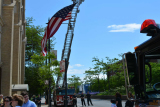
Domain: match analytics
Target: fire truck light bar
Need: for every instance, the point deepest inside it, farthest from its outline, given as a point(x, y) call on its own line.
point(148, 25)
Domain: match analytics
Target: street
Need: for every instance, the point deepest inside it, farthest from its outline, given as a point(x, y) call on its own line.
point(96, 103)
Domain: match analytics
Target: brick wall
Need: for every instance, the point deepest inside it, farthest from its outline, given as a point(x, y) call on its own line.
point(6, 50)
point(13, 49)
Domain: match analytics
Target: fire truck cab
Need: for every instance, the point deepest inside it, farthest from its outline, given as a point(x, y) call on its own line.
point(142, 68)
point(59, 96)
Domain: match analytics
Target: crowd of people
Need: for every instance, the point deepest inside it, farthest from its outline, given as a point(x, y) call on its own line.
point(23, 100)
point(19, 100)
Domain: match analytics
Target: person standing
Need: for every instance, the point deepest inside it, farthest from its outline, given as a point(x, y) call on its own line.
point(75, 99)
point(27, 102)
point(118, 100)
point(39, 101)
point(82, 99)
point(1, 100)
point(7, 101)
point(17, 100)
point(89, 98)
point(129, 103)
point(34, 99)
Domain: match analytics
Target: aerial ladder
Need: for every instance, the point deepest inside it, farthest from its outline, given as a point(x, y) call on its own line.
point(68, 42)
point(61, 83)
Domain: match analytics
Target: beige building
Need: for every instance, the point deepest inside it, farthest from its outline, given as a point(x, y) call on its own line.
point(12, 46)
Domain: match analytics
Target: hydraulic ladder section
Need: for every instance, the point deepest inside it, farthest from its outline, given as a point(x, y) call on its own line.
point(68, 40)
point(70, 32)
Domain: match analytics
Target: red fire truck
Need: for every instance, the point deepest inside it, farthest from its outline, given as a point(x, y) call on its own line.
point(142, 67)
point(59, 95)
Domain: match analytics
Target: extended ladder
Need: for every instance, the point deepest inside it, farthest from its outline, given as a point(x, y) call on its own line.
point(68, 40)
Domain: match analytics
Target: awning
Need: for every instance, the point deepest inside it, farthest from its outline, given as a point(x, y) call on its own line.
point(20, 87)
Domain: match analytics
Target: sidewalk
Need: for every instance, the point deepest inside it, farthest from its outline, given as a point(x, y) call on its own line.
point(44, 105)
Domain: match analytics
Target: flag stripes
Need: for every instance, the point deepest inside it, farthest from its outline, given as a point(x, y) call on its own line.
point(54, 24)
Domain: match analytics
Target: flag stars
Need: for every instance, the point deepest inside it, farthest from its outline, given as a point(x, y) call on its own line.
point(64, 12)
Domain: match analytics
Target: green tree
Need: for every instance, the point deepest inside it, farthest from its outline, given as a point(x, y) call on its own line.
point(34, 36)
point(46, 71)
point(155, 67)
point(34, 70)
point(112, 65)
point(74, 81)
point(106, 68)
point(93, 74)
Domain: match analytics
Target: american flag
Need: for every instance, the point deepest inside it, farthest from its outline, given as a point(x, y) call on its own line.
point(54, 24)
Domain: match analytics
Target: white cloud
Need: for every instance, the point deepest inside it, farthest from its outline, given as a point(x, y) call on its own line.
point(75, 71)
point(103, 76)
point(125, 28)
point(70, 67)
point(78, 65)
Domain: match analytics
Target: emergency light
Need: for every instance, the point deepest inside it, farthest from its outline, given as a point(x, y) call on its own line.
point(150, 27)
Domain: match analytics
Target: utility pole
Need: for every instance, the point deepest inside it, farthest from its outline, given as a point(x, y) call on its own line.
point(47, 89)
point(66, 67)
point(49, 93)
point(49, 60)
point(49, 85)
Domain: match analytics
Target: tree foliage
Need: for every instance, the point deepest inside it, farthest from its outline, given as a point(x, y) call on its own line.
point(74, 81)
point(155, 70)
point(46, 71)
point(34, 36)
point(112, 68)
point(36, 70)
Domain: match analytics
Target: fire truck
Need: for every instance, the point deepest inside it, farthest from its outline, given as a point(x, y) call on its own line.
point(59, 96)
point(138, 68)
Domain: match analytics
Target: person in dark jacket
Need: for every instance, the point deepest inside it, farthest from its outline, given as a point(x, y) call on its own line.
point(38, 101)
point(34, 98)
point(75, 99)
point(82, 99)
point(129, 103)
point(88, 95)
point(118, 99)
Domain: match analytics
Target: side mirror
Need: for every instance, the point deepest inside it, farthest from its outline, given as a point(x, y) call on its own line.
point(131, 65)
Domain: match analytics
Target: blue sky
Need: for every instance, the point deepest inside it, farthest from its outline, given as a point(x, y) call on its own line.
point(103, 28)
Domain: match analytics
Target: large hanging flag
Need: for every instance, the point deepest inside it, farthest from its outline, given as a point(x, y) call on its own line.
point(54, 24)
